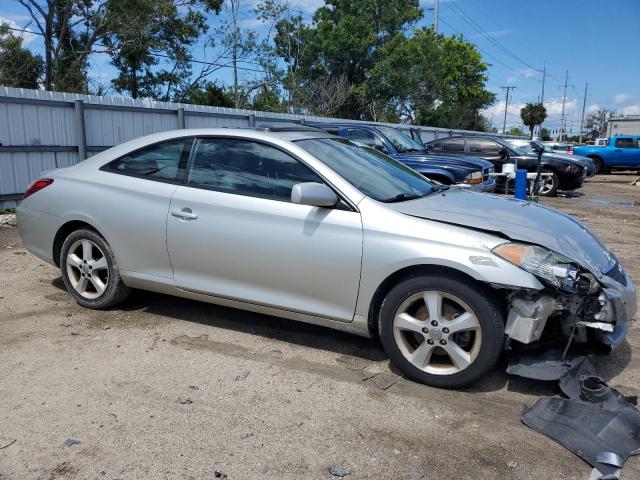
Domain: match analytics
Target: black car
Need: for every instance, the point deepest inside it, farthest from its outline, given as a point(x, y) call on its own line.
point(567, 174)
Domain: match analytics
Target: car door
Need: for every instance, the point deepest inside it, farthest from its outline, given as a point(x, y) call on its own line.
point(130, 201)
point(233, 232)
point(488, 150)
point(626, 153)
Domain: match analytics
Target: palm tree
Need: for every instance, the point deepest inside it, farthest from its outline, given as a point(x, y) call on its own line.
point(533, 114)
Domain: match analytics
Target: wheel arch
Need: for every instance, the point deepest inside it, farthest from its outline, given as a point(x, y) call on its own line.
point(64, 231)
point(416, 271)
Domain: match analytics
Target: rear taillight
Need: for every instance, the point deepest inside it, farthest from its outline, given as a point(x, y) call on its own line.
point(570, 150)
point(37, 186)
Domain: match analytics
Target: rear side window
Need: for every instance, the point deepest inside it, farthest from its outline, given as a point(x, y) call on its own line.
point(453, 145)
point(247, 168)
point(166, 161)
point(625, 143)
point(485, 147)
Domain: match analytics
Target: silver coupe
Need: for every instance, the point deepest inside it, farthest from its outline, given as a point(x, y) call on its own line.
point(301, 224)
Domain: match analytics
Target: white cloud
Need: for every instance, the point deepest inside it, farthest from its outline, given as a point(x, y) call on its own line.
point(621, 98)
point(27, 37)
point(594, 107)
point(631, 110)
point(529, 73)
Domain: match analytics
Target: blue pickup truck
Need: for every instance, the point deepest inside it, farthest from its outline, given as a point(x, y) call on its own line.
point(470, 172)
point(622, 152)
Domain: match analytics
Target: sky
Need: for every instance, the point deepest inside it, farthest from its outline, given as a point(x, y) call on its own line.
point(594, 42)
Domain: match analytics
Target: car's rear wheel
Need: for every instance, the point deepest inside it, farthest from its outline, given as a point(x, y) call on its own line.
point(90, 271)
point(549, 184)
point(440, 331)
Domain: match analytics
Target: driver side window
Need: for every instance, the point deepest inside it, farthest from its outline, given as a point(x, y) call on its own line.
point(245, 167)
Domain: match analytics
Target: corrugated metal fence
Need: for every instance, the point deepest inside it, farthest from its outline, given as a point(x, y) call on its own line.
point(42, 130)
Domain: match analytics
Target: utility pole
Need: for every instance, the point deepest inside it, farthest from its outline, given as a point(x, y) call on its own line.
point(544, 77)
point(564, 100)
point(436, 16)
point(584, 104)
point(506, 106)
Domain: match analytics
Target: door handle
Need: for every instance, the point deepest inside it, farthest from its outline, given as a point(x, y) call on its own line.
point(185, 214)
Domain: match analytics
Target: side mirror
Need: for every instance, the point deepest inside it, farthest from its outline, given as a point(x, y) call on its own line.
point(503, 152)
point(313, 194)
point(428, 147)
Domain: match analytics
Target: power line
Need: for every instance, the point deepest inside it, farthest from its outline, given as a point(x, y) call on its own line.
point(469, 20)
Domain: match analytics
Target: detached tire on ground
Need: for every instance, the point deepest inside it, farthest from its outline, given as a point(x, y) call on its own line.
point(440, 331)
point(549, 185)
point(90, 271)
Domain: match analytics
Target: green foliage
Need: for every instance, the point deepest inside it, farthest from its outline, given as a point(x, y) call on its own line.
point(596, 123)
point(516, 132)
point(149, 43)
point(208, 93)
point(533, 114)
point(346, 40)
point(545, 135)
point(18, 66)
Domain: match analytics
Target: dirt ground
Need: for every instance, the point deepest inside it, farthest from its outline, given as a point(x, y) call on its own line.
point(171, 388)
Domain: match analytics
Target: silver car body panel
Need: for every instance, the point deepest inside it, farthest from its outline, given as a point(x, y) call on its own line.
point(312, 264)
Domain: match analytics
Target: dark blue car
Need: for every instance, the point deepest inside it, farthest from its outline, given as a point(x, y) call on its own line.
point(471, 172)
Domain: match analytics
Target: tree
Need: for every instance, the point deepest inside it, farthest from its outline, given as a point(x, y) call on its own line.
point(545, 135)
point(70, 29)
point(150, 41)
point(516, 132)
point(346, 40)
point(533, 114)
point(208, 93)
point(596, 123)
point(18, 66)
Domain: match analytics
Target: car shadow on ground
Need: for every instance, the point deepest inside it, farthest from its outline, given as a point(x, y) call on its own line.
point(341, 343)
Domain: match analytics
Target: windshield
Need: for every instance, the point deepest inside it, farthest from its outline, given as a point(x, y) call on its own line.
point(400, 141)
point(511, 143)
point(373, 173)
point(521, 145)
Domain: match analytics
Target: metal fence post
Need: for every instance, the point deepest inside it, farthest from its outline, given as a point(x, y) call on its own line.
point(252, 120)
point(181, 118)
point(80, 132)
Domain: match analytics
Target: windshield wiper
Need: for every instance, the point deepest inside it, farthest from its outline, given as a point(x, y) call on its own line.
point(401, 197)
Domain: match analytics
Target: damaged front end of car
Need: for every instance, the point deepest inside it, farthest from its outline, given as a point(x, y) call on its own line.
point(579, 304)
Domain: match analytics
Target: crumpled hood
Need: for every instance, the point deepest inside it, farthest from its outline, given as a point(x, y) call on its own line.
point(518, 220)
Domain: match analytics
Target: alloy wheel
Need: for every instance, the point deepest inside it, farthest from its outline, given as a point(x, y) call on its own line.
point(437, 332)
point(87, 269)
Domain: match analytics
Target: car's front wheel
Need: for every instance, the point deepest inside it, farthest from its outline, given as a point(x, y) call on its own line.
point(441, 330)
point(90, 271)
point(549, 184)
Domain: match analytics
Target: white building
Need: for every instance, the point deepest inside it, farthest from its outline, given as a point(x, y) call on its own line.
point(629, 125)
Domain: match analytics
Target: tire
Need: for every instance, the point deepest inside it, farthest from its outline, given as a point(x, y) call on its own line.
point(436, 371)
point(599, 164)
point(552, 189)
point(90, 271)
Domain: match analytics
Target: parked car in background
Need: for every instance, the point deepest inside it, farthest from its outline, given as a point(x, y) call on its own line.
point(566, 174)
point(622, 152)
point(601, 142)
point(551, 146)
point(471, 172)
point(532, 147)
point(312, 227)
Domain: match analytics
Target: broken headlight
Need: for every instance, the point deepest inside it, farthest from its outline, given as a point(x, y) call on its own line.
point(555, 269)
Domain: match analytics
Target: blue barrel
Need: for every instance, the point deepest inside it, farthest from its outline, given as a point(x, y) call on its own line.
point(521, 185)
